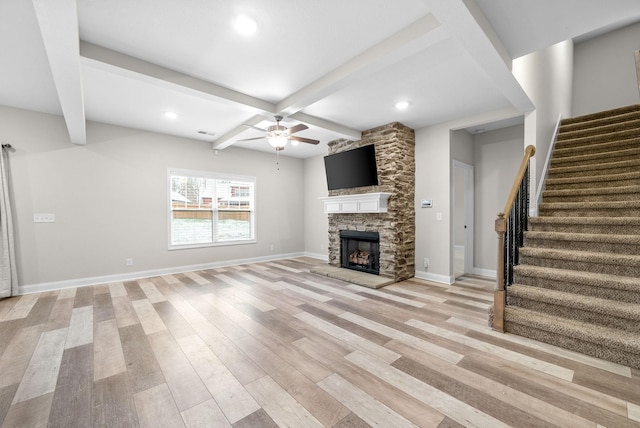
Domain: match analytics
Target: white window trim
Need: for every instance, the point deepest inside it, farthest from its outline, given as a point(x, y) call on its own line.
point(212, 175)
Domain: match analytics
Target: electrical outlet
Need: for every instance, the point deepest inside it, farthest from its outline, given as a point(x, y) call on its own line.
point(426, 262)
point(44, 217)
point(129, 262)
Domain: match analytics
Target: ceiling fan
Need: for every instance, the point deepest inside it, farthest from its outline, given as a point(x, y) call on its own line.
point(278, 136)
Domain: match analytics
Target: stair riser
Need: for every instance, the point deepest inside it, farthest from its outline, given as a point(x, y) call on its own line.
point(592, 184)
point(576, 314)
point(592, 149)
point(586, 171)
point(583, 246)
point(620, 295)
point(587, 348)
point(592, 198)
point(592, 266)
point(586, 228)
point(589, 212)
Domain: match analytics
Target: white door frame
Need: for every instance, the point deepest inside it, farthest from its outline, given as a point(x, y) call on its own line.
point(468, 215)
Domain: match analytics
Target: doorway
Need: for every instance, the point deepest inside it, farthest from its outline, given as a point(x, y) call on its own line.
point(462, 218)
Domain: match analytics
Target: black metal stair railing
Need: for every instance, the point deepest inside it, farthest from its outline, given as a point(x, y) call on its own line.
point(510, 226)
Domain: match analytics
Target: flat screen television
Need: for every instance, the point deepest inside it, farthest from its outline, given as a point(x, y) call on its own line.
point(352, 168)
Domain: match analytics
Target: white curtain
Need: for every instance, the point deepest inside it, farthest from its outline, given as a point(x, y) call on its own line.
point(8, 271)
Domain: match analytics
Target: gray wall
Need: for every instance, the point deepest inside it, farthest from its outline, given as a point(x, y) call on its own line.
point(605, 71)
point(497, 158)
point(316, 231)
point(110, 199)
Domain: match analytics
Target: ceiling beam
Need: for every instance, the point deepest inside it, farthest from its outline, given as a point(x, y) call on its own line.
point(349, 133)
point(134, 68)
point(471, 28)
point(408, 41)
point(58, 22)
point(228, 138)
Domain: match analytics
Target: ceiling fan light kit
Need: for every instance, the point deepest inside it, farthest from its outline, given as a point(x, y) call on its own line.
point(278, 136)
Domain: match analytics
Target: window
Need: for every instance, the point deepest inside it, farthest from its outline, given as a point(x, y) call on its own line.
point(208, 209)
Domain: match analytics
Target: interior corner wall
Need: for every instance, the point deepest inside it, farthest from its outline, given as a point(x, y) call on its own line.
point(605, 71)
point(110, 203)
point(316, 235)
point(547, 78)
point(433, 173)
point(497, 157)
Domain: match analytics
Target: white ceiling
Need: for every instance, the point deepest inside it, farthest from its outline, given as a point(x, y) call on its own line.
point(336, 66)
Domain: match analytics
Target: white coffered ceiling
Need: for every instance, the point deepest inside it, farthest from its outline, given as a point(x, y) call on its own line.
point(337, 66)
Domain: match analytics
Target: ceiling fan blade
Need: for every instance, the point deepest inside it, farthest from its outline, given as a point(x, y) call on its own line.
point(303, 140)
point(299, 127)
point(251, 139)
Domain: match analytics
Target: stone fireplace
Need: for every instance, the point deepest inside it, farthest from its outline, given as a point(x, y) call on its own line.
point(395, 225)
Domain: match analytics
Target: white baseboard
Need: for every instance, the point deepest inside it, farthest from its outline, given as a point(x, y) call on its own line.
point(485, 272)
point(318, 256)
point(131, 276)
point(435, 278)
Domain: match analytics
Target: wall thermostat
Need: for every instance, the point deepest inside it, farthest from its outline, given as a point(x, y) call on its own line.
point(426, 203)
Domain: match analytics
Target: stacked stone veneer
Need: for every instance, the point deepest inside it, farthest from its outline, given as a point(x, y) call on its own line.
point(395, 157)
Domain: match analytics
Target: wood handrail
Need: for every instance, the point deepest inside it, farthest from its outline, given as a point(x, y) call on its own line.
point(500, 292)
point(529, 152)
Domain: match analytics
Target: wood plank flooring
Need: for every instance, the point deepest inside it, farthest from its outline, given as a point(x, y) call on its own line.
point(270, 344)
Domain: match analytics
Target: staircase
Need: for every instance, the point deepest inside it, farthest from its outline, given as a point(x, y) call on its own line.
point(578, 282)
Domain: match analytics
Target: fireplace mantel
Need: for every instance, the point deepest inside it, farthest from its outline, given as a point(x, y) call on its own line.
point(361, 203)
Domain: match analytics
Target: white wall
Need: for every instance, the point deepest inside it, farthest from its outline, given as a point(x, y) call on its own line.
point(497, 157)
point(546, 76)
point(110, 199)
point(316, 231)
point(605, 71)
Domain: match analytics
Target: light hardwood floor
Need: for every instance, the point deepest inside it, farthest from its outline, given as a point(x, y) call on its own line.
point(270, 344)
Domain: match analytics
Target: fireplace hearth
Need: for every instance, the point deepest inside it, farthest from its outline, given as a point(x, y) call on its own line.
point(360, 251)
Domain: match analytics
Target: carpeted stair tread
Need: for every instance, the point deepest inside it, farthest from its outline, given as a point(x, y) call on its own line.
point(592, 333)
point(602, 280)
point(611, 308)
point(577, 142)
point(626, 192)
point(572, 124)
point(585, 237)
point(611, 113)
point(610, 208)
point(582, 256)
point(631, 123)
point(583, 159)
point(600, 168)
point(593, 221)
point(594, 205)
point(623, 178)
point(603, 147)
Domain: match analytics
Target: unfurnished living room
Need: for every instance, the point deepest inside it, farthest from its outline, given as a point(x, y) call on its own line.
point(420, 213)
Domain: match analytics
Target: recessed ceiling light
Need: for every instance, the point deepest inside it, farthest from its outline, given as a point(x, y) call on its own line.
point(245, 25)
point(401, 105)
point(170, 115)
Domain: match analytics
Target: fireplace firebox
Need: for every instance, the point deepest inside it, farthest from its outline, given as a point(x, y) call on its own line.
point(360, 251)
